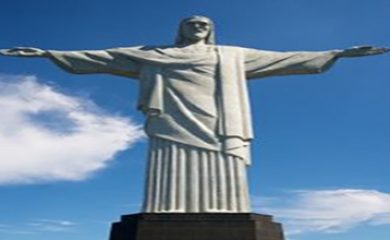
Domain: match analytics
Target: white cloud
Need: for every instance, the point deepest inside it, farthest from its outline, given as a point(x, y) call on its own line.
point(46, 135)
point(328, 211)
point(9, 229)
point(39, 226)
point(49, 225)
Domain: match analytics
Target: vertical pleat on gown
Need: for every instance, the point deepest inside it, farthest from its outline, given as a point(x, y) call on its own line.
point(182, 178)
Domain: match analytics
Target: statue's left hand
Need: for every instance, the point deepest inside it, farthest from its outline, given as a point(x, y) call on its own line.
point(23, 52)
point(360, 51)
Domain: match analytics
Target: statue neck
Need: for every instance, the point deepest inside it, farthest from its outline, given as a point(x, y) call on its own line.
point(189, 43)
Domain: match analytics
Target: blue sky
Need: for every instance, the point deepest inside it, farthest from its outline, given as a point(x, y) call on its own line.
point(72, 155)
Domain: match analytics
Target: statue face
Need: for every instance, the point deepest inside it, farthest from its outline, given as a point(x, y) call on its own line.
point(196, 29)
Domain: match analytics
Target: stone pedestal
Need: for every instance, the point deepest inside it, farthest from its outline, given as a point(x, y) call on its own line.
point(203, 226)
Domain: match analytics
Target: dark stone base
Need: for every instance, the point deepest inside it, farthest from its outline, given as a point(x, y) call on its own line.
point(202, 226)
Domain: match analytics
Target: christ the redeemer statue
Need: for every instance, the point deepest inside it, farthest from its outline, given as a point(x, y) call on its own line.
point(195, 99)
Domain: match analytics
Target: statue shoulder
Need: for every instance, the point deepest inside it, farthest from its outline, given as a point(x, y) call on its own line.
point(239, 49)
point(140, 51)
point(232, 51)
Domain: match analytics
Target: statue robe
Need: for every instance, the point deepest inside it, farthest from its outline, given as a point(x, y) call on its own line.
point(195, 101)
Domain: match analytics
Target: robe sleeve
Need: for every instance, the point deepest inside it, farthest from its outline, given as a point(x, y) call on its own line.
point(259, 63)
point(110, 61)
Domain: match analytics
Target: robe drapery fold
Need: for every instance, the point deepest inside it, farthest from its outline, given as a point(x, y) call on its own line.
point(158, 69)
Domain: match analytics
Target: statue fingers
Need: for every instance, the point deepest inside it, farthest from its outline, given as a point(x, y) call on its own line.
point(22, 52)
point(8, 52)
point(3, 51)
point(362, 47)
point(25, 48)
point(385, 50)
point(375, 51)
point(359, 51)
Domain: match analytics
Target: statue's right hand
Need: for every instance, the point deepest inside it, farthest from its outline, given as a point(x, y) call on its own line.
point(23, 52)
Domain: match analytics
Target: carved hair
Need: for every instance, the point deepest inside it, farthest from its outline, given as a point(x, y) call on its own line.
point(210, 39)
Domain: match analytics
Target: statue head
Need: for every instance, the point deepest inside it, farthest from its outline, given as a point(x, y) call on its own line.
point(195, 28)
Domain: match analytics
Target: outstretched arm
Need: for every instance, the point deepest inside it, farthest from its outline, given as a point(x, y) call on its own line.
point(109, 61)
point(268, 63)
